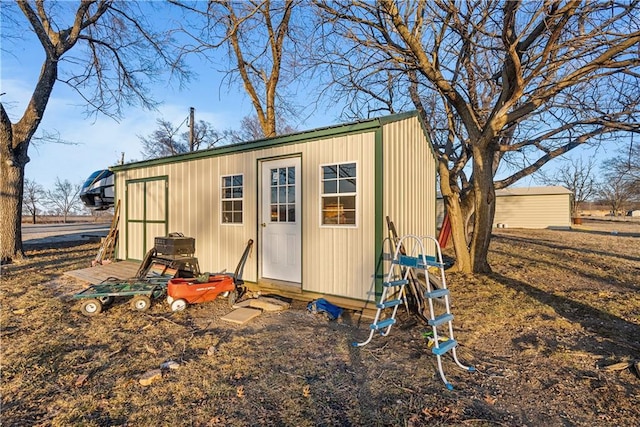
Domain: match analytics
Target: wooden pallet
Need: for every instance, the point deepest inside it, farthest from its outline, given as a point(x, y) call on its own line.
point(99, 273)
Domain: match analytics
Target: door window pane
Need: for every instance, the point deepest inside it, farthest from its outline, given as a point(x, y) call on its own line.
point(283, 192)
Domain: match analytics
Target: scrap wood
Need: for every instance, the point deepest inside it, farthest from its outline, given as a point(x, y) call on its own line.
point(109, 243)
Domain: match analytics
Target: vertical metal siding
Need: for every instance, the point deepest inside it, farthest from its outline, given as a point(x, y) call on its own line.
point(335, 260)
point(534, 211)
point(409, 174)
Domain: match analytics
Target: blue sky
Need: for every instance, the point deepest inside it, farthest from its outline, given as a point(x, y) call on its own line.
point(98, 142)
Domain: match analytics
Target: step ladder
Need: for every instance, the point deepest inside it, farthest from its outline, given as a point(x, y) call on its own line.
point(410, 255)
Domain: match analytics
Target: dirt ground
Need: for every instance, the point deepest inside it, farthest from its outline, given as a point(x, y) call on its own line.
point(560, 307)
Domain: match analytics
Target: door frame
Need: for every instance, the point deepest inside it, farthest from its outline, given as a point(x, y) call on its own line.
point(264, 163)
point(144, 220)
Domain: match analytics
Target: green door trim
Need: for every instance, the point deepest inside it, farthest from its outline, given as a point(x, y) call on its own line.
point(145, 221)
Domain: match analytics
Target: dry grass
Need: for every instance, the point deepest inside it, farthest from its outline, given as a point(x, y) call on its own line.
point(558, 307)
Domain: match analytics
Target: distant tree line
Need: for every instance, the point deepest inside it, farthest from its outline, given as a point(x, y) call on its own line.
point(617, 185)
point(62, 200)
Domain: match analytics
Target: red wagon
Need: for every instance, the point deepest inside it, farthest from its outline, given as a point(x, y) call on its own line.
point(182, 292)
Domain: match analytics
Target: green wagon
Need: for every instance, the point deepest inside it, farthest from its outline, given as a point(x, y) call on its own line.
point(150, 283)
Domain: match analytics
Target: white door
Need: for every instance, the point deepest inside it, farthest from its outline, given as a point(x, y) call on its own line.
point(280, 220)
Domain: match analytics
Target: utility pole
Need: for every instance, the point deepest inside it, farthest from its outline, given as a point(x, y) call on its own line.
point(192, 112)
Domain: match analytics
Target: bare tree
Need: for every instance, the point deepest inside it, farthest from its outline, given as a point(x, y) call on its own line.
point(625, 167)
point(615, 194)
point(64, 198)
point(577, 176)
point(251, 130)
point(32, 198)
point(102, 49)
point(163, 141)
point(499, 85)
point(261, 42)
point(167, 140)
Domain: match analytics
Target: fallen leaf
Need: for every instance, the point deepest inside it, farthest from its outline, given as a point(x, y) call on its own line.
point(490, 400)
point(81, 379)
point(240, 391)
point(306, 391)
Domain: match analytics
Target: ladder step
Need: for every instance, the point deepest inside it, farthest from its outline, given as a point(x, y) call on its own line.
point(436, 293)
point(395, 283)
point(407, 261)
point(382, 324)
point(443, 318)
point(417, 262)
point(390, 303)
point(444, 347)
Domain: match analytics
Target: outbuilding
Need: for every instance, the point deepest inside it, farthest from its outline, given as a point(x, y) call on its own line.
point(533, 207)
point(314, 202)
point(528, 207)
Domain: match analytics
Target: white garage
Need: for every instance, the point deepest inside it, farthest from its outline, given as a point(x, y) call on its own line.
point(533, 207)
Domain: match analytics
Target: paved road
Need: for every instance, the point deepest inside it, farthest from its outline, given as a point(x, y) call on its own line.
point(49, 233)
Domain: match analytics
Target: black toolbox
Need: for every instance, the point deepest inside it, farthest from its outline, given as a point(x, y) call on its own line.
point(175, 244)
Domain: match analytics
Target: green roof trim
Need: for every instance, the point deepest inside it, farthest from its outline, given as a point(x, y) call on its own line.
point(295, 138)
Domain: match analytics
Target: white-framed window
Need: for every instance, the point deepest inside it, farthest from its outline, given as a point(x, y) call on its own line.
point(232, 198)
point(338, 191)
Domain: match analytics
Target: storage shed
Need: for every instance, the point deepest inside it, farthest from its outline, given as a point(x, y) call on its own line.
point(528, 207)
point(314, 202)
point(533, 207)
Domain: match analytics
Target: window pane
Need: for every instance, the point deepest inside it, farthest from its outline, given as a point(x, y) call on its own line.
point(226, 181)
point(349, 202)
point(292, 176)
point(237, 193)
point(292, 213)
point(226, 193)
point(329, 201)
point(283, 213)
point(226, 217)
point(274, 213)
point(226, 206)
point(237, 217)
point(237, 206)
point(282, 194)
point(274, 195)
point(330, 187)
point(237, 181)
point(329, 172)
point(347, 186)
point(274, 176)
point(349, 217)
point(283, 176)
point(291, 194)
point(348, 170)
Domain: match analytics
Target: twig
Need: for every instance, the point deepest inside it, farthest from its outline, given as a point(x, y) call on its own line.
point(480, 420)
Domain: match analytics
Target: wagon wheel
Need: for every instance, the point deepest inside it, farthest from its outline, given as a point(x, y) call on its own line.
point(140, 303)
point(232, 297)
point(91, 307)
point(106, 300)
point(178, 305)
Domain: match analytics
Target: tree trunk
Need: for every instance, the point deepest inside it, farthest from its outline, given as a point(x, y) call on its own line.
point(457, 216)
point(457, 207)
point(12, 163)
point(33, 216)
point(484, 209)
